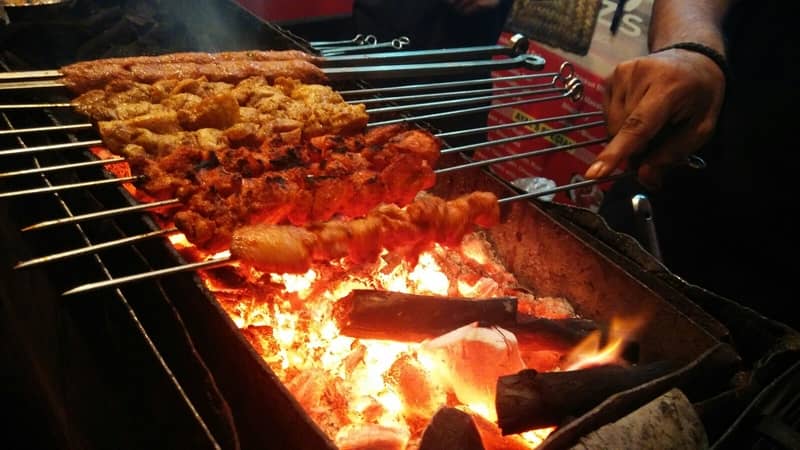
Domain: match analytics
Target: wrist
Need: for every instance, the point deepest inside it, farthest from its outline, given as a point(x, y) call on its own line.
point(717, 57)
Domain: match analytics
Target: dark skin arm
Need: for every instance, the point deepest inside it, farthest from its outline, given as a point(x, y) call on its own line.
point(665, 103)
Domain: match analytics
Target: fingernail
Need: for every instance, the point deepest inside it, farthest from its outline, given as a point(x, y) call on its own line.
point(596, 169)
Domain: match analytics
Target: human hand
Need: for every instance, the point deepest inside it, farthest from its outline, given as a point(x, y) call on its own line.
point(472, 6)
point(666, 103)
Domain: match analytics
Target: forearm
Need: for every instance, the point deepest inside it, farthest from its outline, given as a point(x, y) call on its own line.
point(688, 21)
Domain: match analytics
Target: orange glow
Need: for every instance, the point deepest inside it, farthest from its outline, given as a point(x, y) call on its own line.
point(357, 388)
point(591, 351)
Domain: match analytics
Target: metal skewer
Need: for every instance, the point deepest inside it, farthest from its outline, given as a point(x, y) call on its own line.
point(64, 187)
point(397, 43)
point(544, 151)
point(357, 39)
point(45, 148)
point(101, 214)
point(383, 72)
point(518, 45)
point(446, 84)
point(458, 112)
point(566, 187)
point(148, 275)
point(450, 94)
point(463, 101)
point(34, 106)
point(80, 165)
point(29, 74)
point(71, 127)
point(522, 137)
point(516, 124)
point(92, 248)
point(38, 84)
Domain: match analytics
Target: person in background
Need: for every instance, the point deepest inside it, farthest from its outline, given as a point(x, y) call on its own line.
point(438, 24)
point(432, 24)
point(720, 82)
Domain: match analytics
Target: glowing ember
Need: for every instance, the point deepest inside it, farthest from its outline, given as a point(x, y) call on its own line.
point(358, 389)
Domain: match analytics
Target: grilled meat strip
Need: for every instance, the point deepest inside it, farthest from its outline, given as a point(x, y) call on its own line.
point(82, 77)
point(407, 231)
point(200, 58)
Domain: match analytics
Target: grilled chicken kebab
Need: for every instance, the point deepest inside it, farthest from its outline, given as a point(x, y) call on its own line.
point(137, 118)
point(296, 183)
point(407, 231)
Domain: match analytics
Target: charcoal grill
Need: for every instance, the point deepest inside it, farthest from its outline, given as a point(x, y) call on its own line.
point(143, 330)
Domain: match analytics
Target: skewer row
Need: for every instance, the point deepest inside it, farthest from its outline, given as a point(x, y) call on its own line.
point(563, 84)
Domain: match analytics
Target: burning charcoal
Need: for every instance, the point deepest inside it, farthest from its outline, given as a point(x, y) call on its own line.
point(371, 437)
point(493, 439)
point(308, 387)
point(471, 358)
point(260, 337)
point(541, 360)
point(547, 307)
point(668, 422)
point(451, 428)
point(356, 356)
point(421, 397)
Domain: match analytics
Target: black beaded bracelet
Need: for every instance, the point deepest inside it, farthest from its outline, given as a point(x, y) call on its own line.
point(709, 52)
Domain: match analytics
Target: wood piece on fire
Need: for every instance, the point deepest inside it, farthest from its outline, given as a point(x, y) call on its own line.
point(451, 428)
point(529, 399)
point(372, 314)
point(666, 423)
point(470, 359)
point(560, 335)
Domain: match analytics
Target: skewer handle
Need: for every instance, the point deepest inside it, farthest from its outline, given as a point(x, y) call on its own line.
point(518, 45)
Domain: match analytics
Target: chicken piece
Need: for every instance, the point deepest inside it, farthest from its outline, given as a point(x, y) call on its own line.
point(386, 227)
point(289, 248)
point(218, 111)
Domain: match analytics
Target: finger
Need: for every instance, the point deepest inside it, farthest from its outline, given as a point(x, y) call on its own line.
point(638, 128)
point(673, 151)
point(614, 99)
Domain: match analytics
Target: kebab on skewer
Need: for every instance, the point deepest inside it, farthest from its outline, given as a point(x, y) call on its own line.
point(136, 118)
point(230, 67)
point(326, 176)
point(407, 231)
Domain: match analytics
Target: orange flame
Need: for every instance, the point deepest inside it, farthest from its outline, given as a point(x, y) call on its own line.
point(592, 352)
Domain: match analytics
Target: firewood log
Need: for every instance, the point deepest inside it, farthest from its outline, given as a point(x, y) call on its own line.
point(403, 317)
point(396, 316)
point(529, 400)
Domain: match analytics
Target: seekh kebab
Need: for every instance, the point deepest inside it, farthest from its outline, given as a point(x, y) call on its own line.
point(228, 67)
